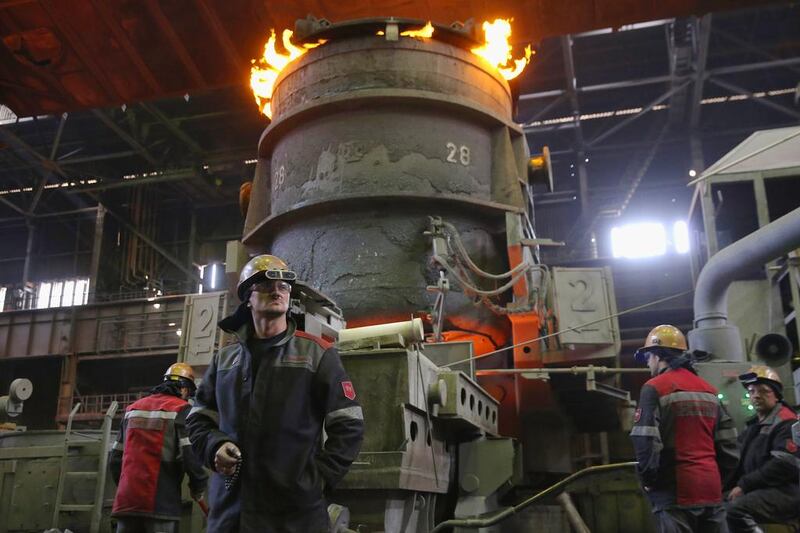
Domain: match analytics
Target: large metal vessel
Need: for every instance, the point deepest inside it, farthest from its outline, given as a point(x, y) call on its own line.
point(370, 136)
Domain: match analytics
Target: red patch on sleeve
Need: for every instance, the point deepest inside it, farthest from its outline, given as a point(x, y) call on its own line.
point(637, 415)
point(791, 447)
point(349, 391)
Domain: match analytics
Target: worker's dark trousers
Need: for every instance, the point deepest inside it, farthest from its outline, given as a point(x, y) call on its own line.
point(697, 520)
point(131, 524)
point(774, 505)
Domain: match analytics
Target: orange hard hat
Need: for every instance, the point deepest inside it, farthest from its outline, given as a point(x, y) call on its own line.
point(181, 372)
point(263, 267)
point(663, 336)
point(763, 374)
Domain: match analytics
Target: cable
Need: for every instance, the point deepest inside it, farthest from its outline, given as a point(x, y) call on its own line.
point(573, 328)
point(499, 516)
point(471, 288)
point(462, 251)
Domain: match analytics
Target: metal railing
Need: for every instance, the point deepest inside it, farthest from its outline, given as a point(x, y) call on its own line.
point(139, 332)
point(94, 406)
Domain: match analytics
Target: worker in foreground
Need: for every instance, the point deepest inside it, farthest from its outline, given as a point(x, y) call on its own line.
point(684, 440)
point(766, 487)
point(260, 412)
point(151, 455)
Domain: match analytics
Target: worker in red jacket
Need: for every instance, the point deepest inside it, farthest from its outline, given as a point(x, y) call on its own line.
point(151, 455)
point(684, 440)
point(766, 481)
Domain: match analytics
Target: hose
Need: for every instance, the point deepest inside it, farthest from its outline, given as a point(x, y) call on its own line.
point(474, 523)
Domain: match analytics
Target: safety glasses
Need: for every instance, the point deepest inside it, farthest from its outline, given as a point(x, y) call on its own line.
point(286, 275)
point(267, 286)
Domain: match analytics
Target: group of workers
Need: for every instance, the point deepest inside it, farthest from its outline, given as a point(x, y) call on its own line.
point(696, 473)
point(276, 416)
point(258, 421)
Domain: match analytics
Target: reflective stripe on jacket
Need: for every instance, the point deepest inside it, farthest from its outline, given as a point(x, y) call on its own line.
point(276, 418)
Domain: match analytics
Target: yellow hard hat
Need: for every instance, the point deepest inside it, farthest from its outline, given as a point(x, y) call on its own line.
point(663, 336)
point(763, 374)
point(180, 372)
point(263, 267)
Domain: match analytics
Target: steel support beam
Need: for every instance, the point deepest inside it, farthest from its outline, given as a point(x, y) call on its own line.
point(13, 206)
point(626, 84)
point(94, 158)
point(642, 171)
point(66, 161)
point(704, 33)
point(37, 195)
point(749, 67)
point(666, 78)
point(175, 42)
point(631, 118)
point(150, 242)
point(750, 47)
point(28, 153)
point(672, 139)
point(542, 94)
point(97, 245)
point(112, 23)
point(221, 34)
point(26, 268)
point(190, 252)
point(542, 112)
point(40, 164)
point(86, 210)
point(550, 129)
point(133, 143)
point(172, 127)
point(571, 92)
point(166, 177)
point(61, 21)
point(763, 101)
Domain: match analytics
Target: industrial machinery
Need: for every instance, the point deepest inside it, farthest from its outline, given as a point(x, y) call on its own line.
point(393, 179)
point(11, 405)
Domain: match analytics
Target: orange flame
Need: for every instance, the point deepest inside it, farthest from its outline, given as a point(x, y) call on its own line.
point(264, 72)
point(497, 51)
point(425, 32)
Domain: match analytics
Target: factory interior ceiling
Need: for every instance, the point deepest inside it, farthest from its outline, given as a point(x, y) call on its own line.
point(100, 99)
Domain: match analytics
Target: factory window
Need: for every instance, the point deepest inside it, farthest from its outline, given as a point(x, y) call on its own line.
point(680, 237)
point(212, 276)
point(639, 240)
point(62, 293)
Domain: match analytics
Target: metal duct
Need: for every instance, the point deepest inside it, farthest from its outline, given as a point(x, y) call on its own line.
point(712, 332)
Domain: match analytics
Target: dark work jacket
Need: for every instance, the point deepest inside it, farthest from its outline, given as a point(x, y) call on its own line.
point(768, 452)
point(150, 456)
point(276, 419)
point(684, 440)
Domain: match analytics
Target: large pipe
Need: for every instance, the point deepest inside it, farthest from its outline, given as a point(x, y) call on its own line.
point(712, 332)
